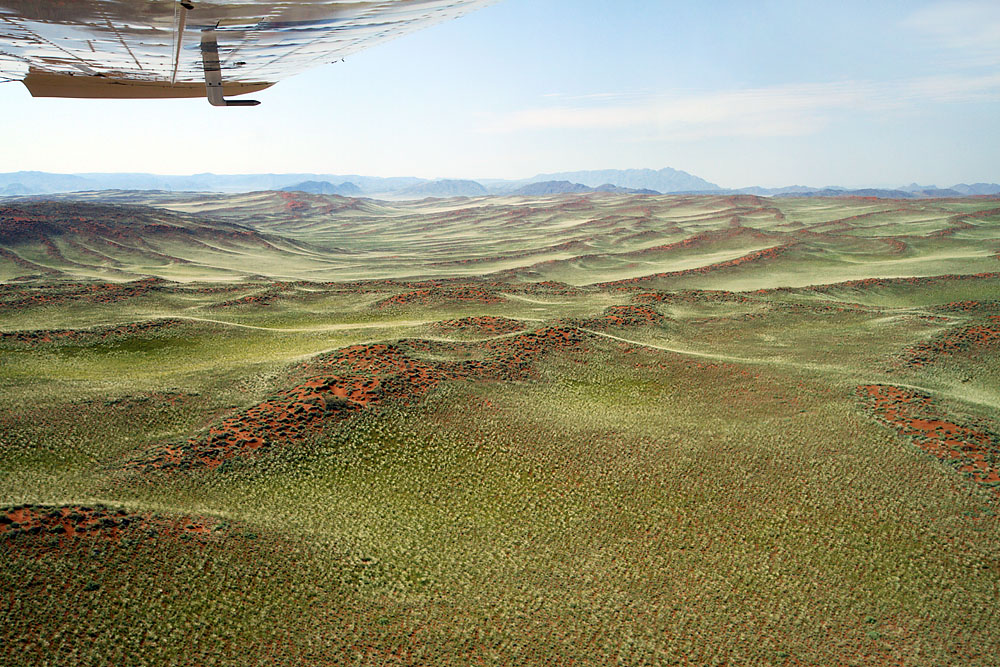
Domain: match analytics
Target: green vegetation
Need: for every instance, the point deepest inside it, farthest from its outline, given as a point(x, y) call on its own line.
point(578, 240)
point(691, 449)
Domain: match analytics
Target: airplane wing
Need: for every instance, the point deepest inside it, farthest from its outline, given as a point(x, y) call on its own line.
point(193, 48)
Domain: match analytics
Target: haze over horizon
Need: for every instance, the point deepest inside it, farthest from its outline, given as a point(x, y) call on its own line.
point(663, 181)
point(773, 95)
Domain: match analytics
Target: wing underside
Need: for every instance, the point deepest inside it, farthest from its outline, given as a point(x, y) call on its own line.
point(153, 48)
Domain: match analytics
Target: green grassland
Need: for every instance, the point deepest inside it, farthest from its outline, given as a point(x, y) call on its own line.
point(691, 477)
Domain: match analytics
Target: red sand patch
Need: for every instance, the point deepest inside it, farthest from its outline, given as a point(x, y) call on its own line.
point(870, 283)
point(13, 297)
point(286, 417)
point(896, 246)
point(298, 203)
point(735, 230)
point(968, 306)
point(691, 296)
point(39, 336)
point(72, 522)
point(427, 296)
point(541, 288)
point(484, 324)
point(970, 447)
point(985, 333)
point(757, 256)
point(623, 316)
point(40, 222)
point(344, 382)
point(293, 202)
point(261, 299)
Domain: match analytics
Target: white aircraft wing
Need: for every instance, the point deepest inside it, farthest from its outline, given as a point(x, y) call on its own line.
point(193, 48)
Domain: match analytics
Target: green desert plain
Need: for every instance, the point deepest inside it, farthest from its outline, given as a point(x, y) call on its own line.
point(283, 429)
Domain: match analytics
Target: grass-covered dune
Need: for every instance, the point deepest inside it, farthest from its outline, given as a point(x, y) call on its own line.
point(670, 242)
point(565, 430)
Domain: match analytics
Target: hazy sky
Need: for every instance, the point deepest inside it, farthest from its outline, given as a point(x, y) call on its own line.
point(768, 92)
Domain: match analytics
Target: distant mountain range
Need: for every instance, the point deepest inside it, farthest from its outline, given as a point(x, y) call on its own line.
point(444, 188)
point(345, 189)
point(663, 181)
point(639, 181)
point(567, 187)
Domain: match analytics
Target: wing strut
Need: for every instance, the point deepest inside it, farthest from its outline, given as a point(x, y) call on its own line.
point(213, 73)
point(180, 20)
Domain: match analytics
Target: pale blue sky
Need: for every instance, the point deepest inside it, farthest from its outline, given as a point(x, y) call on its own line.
point(768, 92)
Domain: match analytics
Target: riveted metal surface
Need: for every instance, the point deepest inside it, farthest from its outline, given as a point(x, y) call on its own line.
point(158, 42)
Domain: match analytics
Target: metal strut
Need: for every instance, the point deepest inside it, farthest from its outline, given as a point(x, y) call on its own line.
point(213, 73)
